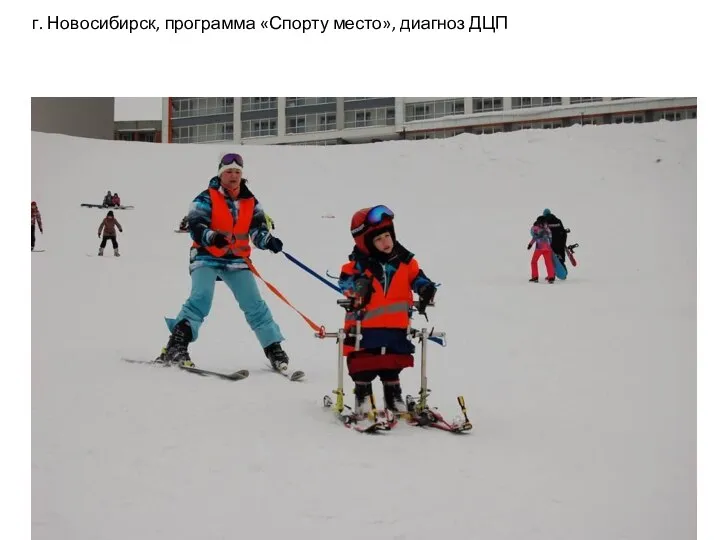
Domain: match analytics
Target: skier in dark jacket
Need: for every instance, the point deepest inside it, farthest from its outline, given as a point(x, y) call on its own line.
point(559, 234)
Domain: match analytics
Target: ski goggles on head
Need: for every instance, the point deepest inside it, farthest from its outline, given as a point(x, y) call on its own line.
point(229, 159)
point(377, 214)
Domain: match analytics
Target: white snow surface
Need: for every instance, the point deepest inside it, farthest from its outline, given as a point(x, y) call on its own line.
point(582, 393)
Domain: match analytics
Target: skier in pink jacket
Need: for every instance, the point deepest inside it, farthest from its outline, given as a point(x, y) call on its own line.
point(542, 238)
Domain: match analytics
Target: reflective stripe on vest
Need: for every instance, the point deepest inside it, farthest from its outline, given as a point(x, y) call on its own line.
point(394, 307)
point(222, 221)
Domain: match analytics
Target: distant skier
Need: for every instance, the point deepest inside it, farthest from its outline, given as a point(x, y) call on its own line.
point(542, 239)
point(115, 200)
point(107, 200)
point(35, 217)
point(380, 278)
point(559, 234)
point(107, 230)
point(223, 220)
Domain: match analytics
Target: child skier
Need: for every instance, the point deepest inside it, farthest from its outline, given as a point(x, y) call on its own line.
point(109, 224)
point(380, 279)
point(542, 238)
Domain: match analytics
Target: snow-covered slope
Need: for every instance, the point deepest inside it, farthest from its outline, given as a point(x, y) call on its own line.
point(582, 394)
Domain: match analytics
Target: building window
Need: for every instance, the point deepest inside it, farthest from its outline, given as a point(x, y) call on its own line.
point(216, 132)
point(487, 130)
point(419, 112)
point(628, 118)
point(327, 121)
point(258, 104)
point(303, 101)
point(527, 102)
point(202, 106)
point(310, 123)
point(259, 128)
point(362, 118)
point(487, 104)
point(585, 120)
point(575, 100)
point(378, 116)
point(675, 115)
point(434, 109)
point(549, 124)
point(296, 124)
point(440, 134)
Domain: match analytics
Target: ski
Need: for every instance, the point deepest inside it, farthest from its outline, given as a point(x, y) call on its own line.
point(37, 250)
point(374, 427)
point(234, 376)
point(432, 418)
point(294, 376)
point(380, 422)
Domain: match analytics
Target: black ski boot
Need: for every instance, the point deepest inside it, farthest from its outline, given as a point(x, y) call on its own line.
point(392, 392)
point(363, 404)
point(278, 358)
point(176, 350)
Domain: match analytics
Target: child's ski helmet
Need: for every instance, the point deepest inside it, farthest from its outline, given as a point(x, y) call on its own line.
point(368, 223)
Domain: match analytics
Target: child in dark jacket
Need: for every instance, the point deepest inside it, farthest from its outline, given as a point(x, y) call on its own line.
point(542, 238)
point(380, 278)
point(107, 230)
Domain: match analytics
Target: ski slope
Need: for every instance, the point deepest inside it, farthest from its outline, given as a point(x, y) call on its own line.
point(582, 393)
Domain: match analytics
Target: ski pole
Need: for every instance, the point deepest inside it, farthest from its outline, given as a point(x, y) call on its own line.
point(311, 271)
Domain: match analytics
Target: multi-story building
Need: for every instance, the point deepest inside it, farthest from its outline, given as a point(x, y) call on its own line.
point(343, 120)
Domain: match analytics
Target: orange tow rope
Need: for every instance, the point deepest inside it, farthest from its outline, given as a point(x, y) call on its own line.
point(274, 289)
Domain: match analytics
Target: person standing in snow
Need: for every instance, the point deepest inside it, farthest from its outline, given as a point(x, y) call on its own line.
point(559, 234)
point(222, 222)
point(380, 278)
point(35, 217)
point(107, 231)
point(542, 239)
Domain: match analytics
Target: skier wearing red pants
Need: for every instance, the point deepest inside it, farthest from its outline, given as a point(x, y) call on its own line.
point(542, 238)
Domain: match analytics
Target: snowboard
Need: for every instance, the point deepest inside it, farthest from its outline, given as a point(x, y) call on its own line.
point(560, 270)
point(570, 250)
point(121, 207)
point(37, 250)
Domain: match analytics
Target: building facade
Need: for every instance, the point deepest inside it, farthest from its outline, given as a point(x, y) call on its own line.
point(91, 117)
point(345, 120)
point(138, 131)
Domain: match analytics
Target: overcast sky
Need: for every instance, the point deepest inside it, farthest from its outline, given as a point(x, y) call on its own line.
point(138, 108)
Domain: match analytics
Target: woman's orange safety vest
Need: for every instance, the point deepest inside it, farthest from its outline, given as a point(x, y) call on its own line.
point(238, 233)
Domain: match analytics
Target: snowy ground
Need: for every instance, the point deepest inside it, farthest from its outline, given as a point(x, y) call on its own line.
point(582, 394)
